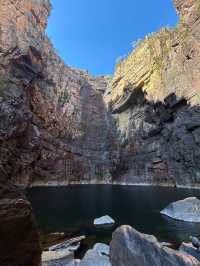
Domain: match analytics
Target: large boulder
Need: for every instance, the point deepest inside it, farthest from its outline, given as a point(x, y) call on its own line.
point(131, 248)
point(187, 210)
point(19, 238)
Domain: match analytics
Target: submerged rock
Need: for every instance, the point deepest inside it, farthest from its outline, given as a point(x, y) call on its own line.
point(187, 210)
point(104, 220)
point(129, 248)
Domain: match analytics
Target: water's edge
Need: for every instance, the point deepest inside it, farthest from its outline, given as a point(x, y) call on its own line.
point(64, 183)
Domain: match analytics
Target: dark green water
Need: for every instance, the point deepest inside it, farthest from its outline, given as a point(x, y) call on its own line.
point(72, 209)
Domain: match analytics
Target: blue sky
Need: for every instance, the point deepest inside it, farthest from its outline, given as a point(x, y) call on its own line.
point(91, 34)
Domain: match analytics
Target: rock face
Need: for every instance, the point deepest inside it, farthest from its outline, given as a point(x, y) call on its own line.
point(54, 126)
point(154, 97)
point(187, 210)
point(129, 247)
point(19, 241)
point(165, 62)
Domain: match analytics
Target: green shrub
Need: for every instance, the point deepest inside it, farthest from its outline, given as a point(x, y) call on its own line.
point(64, 97)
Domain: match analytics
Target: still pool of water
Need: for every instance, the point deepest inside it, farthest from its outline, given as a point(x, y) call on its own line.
point(72, 210)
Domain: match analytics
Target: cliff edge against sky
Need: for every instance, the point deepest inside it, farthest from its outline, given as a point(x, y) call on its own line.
point(155, 96)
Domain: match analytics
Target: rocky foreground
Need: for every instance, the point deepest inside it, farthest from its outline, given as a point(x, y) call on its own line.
point(128, 248)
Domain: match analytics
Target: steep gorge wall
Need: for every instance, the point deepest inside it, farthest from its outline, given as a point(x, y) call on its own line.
point(54, 125)
point(154, 97)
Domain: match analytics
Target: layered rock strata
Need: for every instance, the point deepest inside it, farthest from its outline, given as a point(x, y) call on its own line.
point(54, 126)
point(154, 97)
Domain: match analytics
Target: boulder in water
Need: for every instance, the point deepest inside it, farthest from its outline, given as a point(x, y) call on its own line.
point(104, 220)
point(187, 210)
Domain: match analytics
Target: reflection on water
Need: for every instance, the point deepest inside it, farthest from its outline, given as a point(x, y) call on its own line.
point(73, 209)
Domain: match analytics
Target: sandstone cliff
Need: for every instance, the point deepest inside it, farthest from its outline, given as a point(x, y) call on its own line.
point(54, 123)
point(55, 126)
point(165, 62)
point(155, 96)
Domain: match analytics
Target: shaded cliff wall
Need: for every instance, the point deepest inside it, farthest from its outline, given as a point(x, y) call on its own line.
point(155, 96)
point(54, 126)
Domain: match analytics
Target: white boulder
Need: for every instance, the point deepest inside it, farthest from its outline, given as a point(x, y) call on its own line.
point(104, 220)
point(187, 210)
